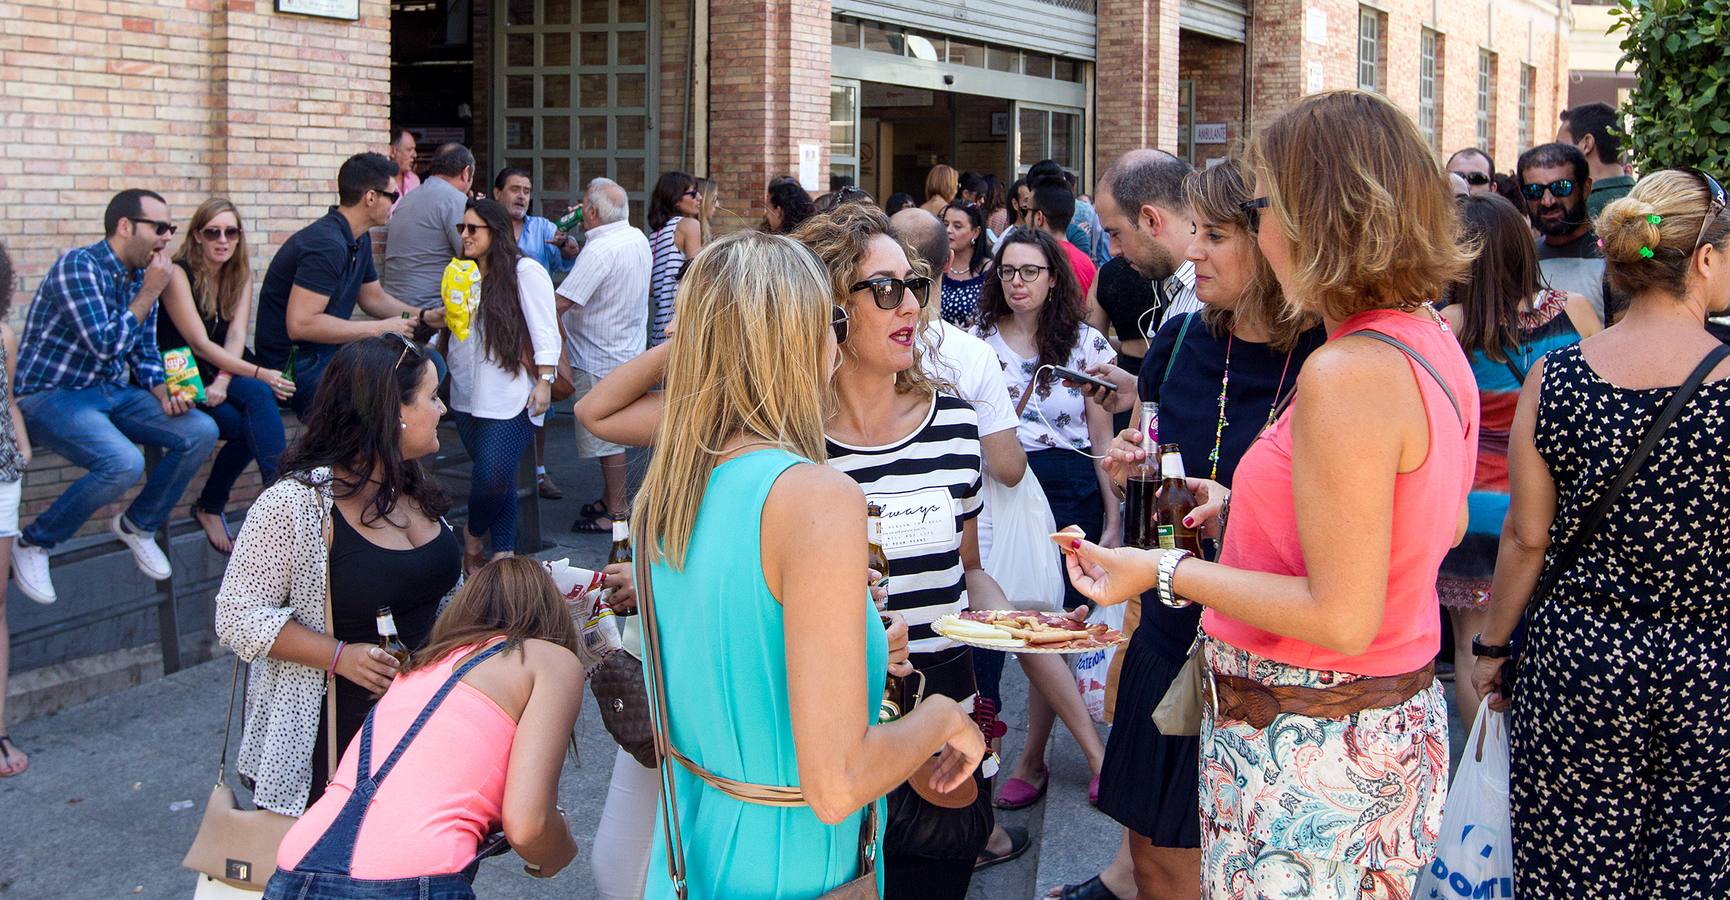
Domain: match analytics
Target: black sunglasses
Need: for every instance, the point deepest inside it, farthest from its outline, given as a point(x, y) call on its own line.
point(1252, 211)
point(388, 195)
point(467, 230)
point(162, 228)
point(886, 292)
point(693, 192)
point(838, 321)
point(1715, 203)
point(1559, 188)
point(213, 233)
point(1476, 179)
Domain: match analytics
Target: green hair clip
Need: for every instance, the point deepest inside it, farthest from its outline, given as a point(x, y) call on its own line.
point(1655, 219)
point(1646, 252)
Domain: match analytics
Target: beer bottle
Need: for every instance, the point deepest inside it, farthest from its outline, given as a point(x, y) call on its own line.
point(387, 639)
point(620, 551)
point(875, 558)
point(1141, 488)
point(293, 353)
point(570, 220)
point(1176, 501)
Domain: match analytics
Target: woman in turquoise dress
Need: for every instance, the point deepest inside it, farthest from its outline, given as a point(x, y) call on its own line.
point(774, 656)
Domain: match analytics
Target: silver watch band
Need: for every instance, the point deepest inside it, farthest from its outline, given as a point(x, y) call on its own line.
point(1168, 562)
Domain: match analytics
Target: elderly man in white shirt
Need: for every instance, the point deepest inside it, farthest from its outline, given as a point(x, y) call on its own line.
point(603, 304)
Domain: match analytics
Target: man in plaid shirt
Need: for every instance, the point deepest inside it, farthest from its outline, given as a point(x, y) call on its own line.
point(90, 384)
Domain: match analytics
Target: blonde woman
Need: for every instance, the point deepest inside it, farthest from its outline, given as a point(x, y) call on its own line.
point(750, 536)
point(209, 291)
point(941, 185)
point(1324, 762)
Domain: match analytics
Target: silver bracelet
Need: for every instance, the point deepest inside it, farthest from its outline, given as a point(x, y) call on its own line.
point(1168, 562)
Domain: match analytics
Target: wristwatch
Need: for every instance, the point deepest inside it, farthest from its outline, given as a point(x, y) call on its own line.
point(550, 377)
point(1490, 651)
point(1167, 569)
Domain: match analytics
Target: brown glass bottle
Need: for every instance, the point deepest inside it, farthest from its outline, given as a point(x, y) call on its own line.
point(387, 637)
point(1141, 487)
point(1176, 501)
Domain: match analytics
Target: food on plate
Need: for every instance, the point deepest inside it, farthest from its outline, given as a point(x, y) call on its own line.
point(1014, 629)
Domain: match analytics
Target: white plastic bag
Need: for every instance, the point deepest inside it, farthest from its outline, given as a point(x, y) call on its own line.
point(1093, 667)
point(1022, 558)
point(1475, 853)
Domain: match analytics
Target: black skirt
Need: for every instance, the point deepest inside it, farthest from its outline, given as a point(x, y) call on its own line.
point(1150, 782)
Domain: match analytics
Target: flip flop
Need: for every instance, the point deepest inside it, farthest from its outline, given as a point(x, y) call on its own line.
point(1019, 841)
point(229, 532)
point(6, 770)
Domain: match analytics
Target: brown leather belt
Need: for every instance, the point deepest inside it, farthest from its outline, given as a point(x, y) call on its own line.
point(1247, 700)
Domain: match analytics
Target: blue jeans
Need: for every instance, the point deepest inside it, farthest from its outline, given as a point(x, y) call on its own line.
point(309, 366)
point(96, 428)
point(252, 427)
point(495, 446)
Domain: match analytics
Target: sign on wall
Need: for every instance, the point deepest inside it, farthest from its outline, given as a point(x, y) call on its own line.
point(1210, 133)
point(323, 9)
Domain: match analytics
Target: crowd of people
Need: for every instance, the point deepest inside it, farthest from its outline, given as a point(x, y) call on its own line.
point(1432, 418)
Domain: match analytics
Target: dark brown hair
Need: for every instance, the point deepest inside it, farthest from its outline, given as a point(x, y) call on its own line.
point(513, 597)
point(1503, 276)
point(1059, 318)
point(1216, 194)
point(500, 311)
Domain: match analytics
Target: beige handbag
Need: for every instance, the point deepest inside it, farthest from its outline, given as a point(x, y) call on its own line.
point(238, 846)
point(1179, 711)
point(863, 887)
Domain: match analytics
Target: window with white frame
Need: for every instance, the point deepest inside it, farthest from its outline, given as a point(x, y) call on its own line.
point(1528, 76)
point(1486, 99)
point(1429, 86)
point(1369, 48)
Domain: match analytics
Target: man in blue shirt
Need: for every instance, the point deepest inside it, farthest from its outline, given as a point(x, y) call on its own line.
point(538, 238)
point(90, 383)
point(322, 273)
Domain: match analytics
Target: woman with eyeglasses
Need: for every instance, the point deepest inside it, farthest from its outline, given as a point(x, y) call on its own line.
point(356, 519)
point(1618, 785)
point(969, 262)
point(675, 235)
point(209, 290)
point(501, 376)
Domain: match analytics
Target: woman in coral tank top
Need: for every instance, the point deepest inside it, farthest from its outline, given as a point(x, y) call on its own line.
point(1324, 753)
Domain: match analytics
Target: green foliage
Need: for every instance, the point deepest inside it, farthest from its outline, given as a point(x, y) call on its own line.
point(1679, 115)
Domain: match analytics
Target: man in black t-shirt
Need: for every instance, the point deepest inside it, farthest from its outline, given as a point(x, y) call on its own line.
point(1555, 180)
point(323, 272)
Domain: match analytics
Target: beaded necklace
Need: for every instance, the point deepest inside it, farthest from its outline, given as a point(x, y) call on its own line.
point(1225, 383)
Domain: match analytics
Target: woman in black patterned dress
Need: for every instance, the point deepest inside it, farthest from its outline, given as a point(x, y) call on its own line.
point(1620, 747)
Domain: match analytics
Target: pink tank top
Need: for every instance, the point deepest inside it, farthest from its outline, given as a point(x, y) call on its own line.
point(444, 796)
point(1263, 535)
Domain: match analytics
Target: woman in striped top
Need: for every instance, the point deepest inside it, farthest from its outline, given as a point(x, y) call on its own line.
point(675, 235)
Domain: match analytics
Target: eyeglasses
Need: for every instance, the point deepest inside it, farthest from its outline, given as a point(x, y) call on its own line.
point(1029, 274)
point(388, 195)
point(468, 230)
point(1475, 179)
point(1715, 204)
point(1559, 188)
point(1252, 211)
point(408, 346)
point(213, 233)
point(838, 320)
point(886, 292)
point(162, 228)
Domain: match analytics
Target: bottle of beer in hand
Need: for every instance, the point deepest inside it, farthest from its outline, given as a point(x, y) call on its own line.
point(387, 638)
point(1176, 501)
point(621, 549)
point(1141, 488)
point(875, 558)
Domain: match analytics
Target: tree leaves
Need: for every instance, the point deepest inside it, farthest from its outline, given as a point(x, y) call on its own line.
point(1677, 46)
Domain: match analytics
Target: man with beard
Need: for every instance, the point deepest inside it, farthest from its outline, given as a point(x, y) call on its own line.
point(1555, 181)
point(538, 238)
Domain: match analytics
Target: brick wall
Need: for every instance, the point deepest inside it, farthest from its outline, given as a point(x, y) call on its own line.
point(189, 98)
point(1136, 96)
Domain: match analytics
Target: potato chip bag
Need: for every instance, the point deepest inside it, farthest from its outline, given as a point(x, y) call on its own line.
point(460, 288)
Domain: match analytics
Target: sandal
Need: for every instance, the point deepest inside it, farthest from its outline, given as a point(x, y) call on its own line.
point(7, 769)
point(1092, 889)
point(226, 531)
point(589, 525)
point(593, 510)
point(1018, 793)
point(1019, 841)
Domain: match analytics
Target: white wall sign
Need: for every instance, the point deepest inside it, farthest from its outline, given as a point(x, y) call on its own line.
point(1210, 133)
point(324, 9)
point(1316, 26)
point(810, 155)
point(1316, 79)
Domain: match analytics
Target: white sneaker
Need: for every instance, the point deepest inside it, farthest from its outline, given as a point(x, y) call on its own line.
point(145, 553)
point(30, 573)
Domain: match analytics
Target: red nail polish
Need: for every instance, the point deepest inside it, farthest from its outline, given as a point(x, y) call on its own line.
point(1188, 522)
point(1075, 545)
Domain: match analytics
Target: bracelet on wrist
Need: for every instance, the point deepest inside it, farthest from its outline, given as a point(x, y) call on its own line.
point(1168, 562)
point(331, 672)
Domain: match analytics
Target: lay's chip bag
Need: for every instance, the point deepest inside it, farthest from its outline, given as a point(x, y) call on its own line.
point(182, 374)
point(461, 289)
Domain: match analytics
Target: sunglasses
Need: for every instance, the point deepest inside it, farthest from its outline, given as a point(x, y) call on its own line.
point(213, 233)
point(693, 192)
point(162, 228)
point(388, 195)
point(1029, 274)
point(838, 320)
point(1715, 203)
point(1559, 188)
point(1252, 211)
point(886, 292)
point(467, 230)
point(1475, 179)
point(408, 347)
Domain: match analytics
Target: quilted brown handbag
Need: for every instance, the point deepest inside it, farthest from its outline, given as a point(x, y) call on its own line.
point(624, 703)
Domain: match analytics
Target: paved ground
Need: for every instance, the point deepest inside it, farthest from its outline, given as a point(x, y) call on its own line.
point(116, 786)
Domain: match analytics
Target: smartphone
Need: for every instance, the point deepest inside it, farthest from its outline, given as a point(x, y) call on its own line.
point(1068, 374)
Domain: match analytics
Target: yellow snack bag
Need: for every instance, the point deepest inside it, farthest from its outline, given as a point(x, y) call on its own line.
point(182, 374)
point(460, 288)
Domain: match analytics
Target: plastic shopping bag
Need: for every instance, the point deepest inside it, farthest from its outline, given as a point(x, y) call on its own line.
point(1475, 853)
point(460, 288)
point(1022, 557)
point(1092, 667)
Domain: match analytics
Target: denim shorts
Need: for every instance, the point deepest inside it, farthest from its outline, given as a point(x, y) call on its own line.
point(288, 884)
point(10, 492)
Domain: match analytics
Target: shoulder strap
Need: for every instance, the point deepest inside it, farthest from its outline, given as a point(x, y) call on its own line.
point(1420, 360)
point(1171, 360)
point(1519, 376)
point(330, 632)
point(228, 724)
point(1571, 551)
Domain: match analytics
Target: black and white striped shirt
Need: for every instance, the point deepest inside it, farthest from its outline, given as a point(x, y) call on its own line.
point(929, 486)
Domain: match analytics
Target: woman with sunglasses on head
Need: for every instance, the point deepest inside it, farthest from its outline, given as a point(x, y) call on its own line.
point(789, 206)
point(502, 376)
point(355, 520)
point(1617, 738)
point(675, 235)
point(1324, 760)
point(209, 290)
point(969, 262)
point(1506, 319)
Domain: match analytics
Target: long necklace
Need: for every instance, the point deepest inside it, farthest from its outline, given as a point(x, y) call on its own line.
point(1225, 382)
